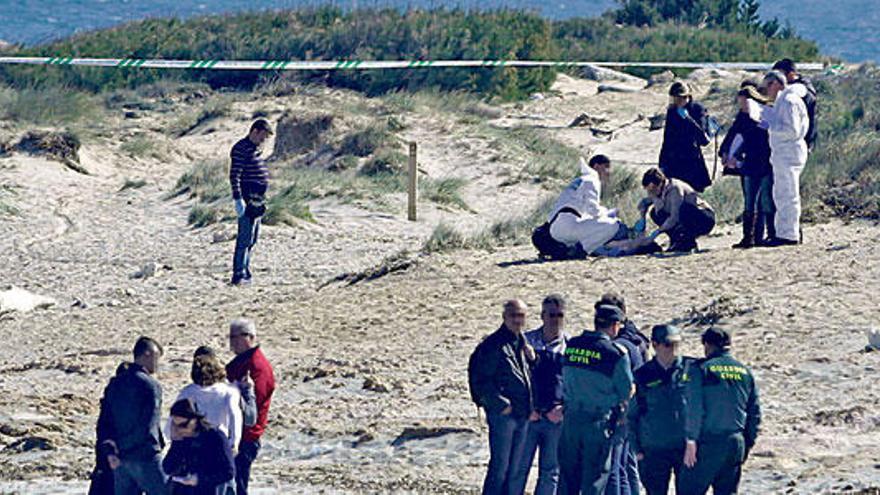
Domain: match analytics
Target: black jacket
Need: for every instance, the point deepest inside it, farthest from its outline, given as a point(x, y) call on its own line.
point(130, 414)
point(630, 333)
point(754, 153)
point(208, 456)
point(499, 374)
point(810, 103)
point(658, 418)
point(681, 156)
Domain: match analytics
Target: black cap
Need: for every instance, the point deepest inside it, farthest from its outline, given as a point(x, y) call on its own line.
point(262, 125)
point(717, 337)
point(665, 334)
point(785, 65)
point(186, 408)
point(679, 88)
point(204, 350)
point(609, 314)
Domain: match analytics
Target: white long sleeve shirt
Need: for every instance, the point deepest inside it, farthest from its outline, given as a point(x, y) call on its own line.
point(221, 405)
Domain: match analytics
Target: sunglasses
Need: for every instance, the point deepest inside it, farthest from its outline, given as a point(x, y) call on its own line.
point(238, 335)
point(556, 315)
point(181, 424)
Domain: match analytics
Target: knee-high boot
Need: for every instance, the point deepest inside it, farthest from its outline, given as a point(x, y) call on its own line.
point(748, 226)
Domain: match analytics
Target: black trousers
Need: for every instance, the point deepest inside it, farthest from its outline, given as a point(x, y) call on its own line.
point(656, 468)
point(719, 465)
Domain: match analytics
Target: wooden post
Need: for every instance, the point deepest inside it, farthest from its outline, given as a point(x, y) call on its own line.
point(413, 182)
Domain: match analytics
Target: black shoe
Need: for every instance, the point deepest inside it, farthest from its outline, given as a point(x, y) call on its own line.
point(682, 247)
point(743, 244)
point(779, 241)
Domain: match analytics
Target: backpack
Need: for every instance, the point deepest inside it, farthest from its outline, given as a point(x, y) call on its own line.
point(550, 248)
point(470, 369)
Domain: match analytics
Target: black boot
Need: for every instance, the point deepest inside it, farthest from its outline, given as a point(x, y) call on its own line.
point(748, 239)
point(760, 222)
point(770, 221)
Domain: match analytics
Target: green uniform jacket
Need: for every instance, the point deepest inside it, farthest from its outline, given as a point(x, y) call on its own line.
point(595, 376)
point(658, 415)
point(723, 399)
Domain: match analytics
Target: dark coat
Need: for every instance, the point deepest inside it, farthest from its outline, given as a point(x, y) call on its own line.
point(754, 153)
point(681, 156)
point(810, 103)
point(130, 414)
point(500, 375)
point(207, 455)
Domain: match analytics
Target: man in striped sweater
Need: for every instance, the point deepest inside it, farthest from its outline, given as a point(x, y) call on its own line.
point(249, 179)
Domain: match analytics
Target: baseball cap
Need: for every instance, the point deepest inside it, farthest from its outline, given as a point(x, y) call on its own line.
point(609, 314)
point(665, 334)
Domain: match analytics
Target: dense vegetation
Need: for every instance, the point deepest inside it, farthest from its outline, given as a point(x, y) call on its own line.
point(329, 33)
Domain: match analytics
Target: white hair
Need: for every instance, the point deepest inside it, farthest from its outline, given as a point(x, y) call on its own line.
point(243, 325)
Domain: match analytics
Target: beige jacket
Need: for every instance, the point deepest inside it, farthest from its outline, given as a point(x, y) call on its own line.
point(676, 193)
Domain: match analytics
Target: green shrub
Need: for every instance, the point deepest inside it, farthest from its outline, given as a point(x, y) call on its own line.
point(364, 142)
point(143, 147)
point(46, 105)
point(206, 181)
point(445, 191)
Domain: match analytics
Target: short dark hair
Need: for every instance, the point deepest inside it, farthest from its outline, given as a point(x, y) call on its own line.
point(611, 299)
point(261, 125)
point(749, 82)
point(785, 65)
point(717, 337)
point(145, 345)
point(555, 299)
point(598, 159)
point(204, 350)
point(653, 176)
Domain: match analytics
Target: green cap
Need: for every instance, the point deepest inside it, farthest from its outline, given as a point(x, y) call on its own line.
point(665, 334)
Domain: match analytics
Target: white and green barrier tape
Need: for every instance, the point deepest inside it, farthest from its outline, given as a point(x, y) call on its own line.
point(372, 64)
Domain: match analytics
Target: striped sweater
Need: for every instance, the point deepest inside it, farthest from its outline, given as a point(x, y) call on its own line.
point(248, 175)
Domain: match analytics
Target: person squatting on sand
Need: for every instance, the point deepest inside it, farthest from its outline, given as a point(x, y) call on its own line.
point(696, 418)
point(249, 181)
point(745, 151)
point(677, 209)
point(579, 217)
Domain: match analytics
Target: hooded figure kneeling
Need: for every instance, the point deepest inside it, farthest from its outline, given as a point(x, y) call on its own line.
point(578, 218)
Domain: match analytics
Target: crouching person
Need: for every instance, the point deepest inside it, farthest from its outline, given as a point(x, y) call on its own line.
point(678, 210)
point(579, 217)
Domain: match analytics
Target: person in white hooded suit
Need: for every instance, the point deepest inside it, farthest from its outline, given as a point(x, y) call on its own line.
point(787, 121)
point(579, 214)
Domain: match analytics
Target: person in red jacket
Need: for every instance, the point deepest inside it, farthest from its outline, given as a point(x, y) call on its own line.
point(249, 359)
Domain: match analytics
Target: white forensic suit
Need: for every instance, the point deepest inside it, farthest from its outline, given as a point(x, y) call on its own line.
point(594, 225)
point(788, 123)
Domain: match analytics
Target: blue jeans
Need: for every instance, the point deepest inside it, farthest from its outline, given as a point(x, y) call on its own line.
point(248, 231)
point(624, 479)
point(542, 435)
point(247, 453)
point(507, 437)
point(134, 477)
point(757, 194)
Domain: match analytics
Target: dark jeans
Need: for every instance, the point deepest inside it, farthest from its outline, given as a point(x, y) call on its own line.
point(247, 453)
point(248, 232)
point(507, 437)
point(624, 478)
point(657, 466)
point(584, 456)
point(719, 465)
point(543, 436)
point(134, 477)
point(757, 194)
